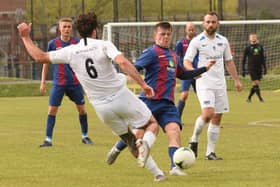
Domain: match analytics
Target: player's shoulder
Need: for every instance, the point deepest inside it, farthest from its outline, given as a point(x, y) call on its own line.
point(220, 37)
point(53, 40)
point(150, 49)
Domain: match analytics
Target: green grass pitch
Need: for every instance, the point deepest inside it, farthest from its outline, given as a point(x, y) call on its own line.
point(249, 144)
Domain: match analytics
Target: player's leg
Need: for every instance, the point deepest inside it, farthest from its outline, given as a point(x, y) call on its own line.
point(213, 133)
point(76, 94)
point(172, 130)
point(251, 93)
point(184, 93)
point(207, 112)
point(56, 95)
point(221, 106)
point(253, 90)
point(258, 90)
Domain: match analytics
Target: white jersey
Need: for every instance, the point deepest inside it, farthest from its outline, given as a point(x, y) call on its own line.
point(93, 67)
point(217, 49)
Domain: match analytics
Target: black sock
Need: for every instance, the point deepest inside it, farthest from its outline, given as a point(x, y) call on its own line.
point(258, 92)
point(252, 91)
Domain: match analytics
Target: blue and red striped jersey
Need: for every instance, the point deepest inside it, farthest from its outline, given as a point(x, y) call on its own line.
point(181, 48)
point(62, 73)
point(161, 69)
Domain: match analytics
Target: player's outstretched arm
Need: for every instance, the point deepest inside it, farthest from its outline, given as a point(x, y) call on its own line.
point(131, 71)
point(36, 53)
point(189, 74)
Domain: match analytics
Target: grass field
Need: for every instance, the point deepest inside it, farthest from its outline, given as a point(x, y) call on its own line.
point(248, 143)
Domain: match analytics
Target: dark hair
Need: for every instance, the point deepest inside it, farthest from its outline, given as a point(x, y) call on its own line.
point(212, 13)
point(86, 23)
point(164, 25)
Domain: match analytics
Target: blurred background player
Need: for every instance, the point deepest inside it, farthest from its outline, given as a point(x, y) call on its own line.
point(161, 67)
point(180, 49)
point(211, 86)
point(256, 66)
point(64, 82)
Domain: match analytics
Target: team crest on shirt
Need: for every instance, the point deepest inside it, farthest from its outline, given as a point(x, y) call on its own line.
point(171, 66)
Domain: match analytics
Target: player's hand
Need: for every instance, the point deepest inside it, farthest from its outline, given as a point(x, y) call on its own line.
point(24, 29)
point(238, 85)
point(148, 91)
point(43, 88)
point(209, 64)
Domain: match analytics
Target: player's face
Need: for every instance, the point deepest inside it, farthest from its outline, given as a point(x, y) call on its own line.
point(190, 30)
point(253, 38)
point(210, 24)
point(65, 29)
point(163, 37)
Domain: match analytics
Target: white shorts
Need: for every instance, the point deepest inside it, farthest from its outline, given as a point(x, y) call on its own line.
point(213, 98)
point(121, 110)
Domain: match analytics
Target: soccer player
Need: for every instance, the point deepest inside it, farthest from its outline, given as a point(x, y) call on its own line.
point(161, 67)
point(106, 89)
point(64, 82)
point(211, 86)
point(180, 49)
point(255, 54)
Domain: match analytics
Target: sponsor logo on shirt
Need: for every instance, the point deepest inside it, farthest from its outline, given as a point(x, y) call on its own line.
point(206, 102)
point(171, 66)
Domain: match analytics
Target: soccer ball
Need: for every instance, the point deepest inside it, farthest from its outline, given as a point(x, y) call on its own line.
point(184, 157)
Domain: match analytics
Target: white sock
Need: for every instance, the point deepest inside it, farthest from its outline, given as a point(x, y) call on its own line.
point(199, 124)
point(48, 139)
point(150, 138)
point(213, 136)
point(151, 165)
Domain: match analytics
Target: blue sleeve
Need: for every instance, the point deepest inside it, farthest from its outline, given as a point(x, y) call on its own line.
point(146, 58)
point(51, 46)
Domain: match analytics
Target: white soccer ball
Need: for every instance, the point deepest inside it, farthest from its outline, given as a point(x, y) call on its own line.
point(184, 157)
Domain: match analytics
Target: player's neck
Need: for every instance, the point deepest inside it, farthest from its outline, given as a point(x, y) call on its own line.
point(65, 38)
point(210, 36)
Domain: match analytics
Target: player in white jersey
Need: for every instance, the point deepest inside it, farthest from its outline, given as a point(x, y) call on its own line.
point(114, 103)
point(211, 86)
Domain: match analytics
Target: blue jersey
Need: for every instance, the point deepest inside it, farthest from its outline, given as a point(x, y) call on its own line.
point(62, 73)
point(161, 69)
point(181, 48)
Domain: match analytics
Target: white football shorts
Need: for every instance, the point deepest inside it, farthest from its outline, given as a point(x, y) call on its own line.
point(214, 98)
point(121, 110)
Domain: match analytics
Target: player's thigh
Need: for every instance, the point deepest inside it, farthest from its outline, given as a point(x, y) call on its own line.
point(131, 108)
point(75, 94)
point(221, 101)
point(206, 98)
point(56, 95)
point(185, 85)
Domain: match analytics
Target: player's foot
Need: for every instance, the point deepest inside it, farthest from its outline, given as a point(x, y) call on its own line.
point(87, 140)
point(177, 172)
point(248, 100)
point(112, 155)
point(143, 152)
point(194, 147)
point(213, 156)
point(261, 100)
point(159, 178)
point(46, 144)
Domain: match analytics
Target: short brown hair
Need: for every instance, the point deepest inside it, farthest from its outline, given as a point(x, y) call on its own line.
point(164, 25)
point(65, 19)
